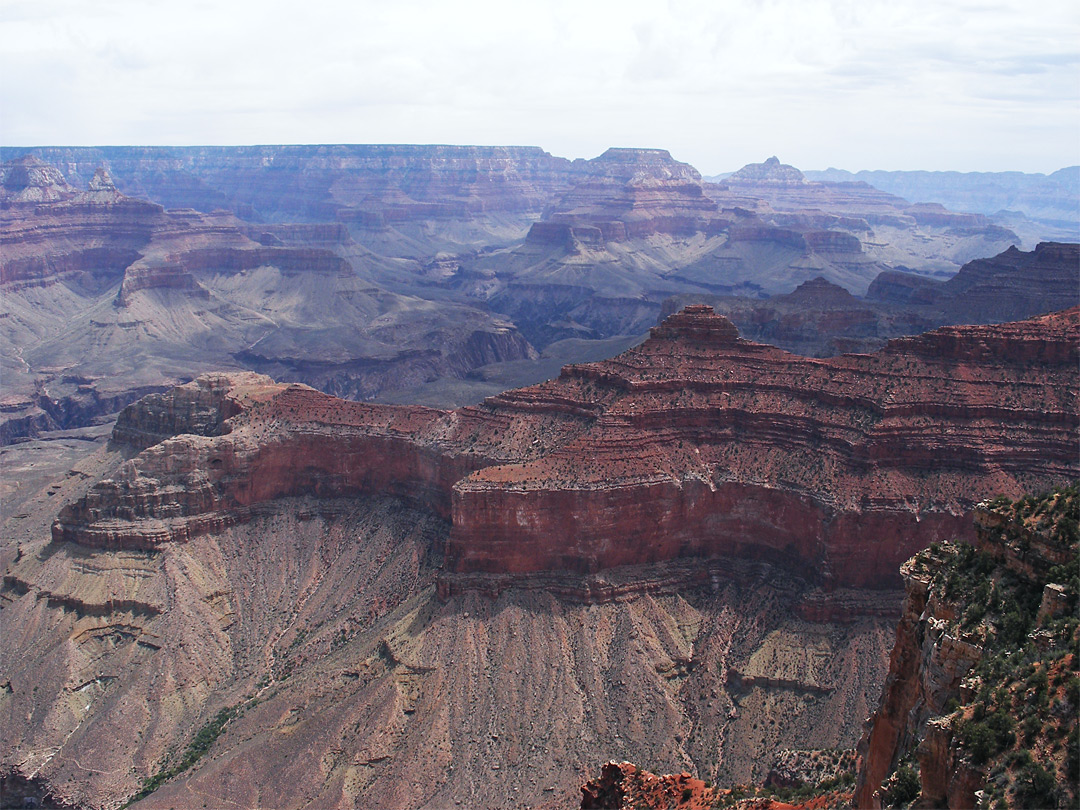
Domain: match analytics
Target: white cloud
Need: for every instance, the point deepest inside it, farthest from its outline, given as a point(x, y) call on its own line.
point(870, 84)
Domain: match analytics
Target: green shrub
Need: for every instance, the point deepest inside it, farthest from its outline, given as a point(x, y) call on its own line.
point(1036, 788)
point(904, 787)
point(978, 739)
point(199, 745)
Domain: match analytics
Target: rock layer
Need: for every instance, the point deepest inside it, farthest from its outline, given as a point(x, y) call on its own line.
point(821, 319)
point(975, 654)
point(709, 445)
point(107, 297)
point(695, 444)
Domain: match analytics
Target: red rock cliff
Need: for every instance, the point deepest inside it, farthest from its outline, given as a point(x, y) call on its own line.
point(708, 445)
point(694, 444)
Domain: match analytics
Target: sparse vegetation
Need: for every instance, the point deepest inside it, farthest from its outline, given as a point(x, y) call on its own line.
point(1018, 720)
point(902, 789)
point(198, 746)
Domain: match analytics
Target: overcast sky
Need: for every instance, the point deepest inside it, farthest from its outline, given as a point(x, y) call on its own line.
point(947, 84)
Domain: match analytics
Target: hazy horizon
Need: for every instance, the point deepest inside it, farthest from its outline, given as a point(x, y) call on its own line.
point(954, 85)
point(719, 173)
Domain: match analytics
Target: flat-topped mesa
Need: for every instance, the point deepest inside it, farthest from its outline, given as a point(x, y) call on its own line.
point(628, 164)
point(713, 446)
point(697, 323)
point(694, 444)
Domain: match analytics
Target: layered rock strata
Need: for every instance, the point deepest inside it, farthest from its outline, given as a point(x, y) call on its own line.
point(712, 446)
point(695, 444)
point(891, 232)
point(1014, 284)
point(107, 298)
point(367, 184)
point(634, 193)
point(821, 319)
point(975, 703)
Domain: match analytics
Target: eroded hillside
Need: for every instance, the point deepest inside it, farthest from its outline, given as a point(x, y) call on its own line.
point(259, 593)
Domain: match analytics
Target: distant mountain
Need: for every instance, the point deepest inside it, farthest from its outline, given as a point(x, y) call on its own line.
point(1053, 198)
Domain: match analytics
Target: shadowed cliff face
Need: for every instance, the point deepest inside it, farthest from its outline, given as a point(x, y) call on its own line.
point(821, 319)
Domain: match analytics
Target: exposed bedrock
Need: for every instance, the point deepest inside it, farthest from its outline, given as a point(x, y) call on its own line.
point(1014, 284)
point(631, 194)
point(695, 444)
point(189, 484)
point(586, 531)
point(821, 319)
point(951, 643)
point(368, 184)
point(715, 446)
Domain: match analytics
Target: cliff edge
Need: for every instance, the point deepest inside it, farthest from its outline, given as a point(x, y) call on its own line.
point(981, 702)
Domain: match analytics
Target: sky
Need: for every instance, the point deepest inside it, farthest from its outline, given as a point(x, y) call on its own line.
point(966, 85)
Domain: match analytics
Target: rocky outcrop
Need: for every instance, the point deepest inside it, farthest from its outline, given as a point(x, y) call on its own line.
point(52, 231)
point(200, 408)
point(634, 193)
point(772, 172)
point(624, 785)
point(953, 701)
point(822, 319)
point(926, 668)
point(1014, 284)
point(680, 464)
point(696, 444)
point(210, 471)
point(817, 319)
point(31, 180)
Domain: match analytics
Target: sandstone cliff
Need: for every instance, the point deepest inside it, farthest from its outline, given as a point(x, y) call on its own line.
point(694, 444)
point(703, 444)
point(982, 686)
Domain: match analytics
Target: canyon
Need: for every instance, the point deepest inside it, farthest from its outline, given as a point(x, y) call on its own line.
point(412, 272)
point(430, 476)
point(979, 707)
point(686, 556)
point(108, 298)
point(822, 319)
point(683, 437)
point(1047, 199)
